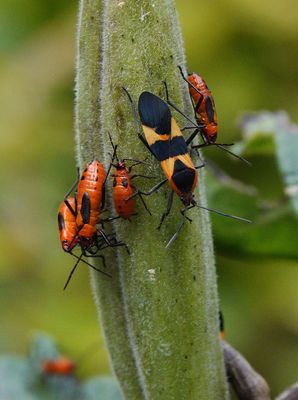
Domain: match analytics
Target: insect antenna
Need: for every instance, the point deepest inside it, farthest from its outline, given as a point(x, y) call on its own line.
point(233, 154)
point(72, 271)
point(79, 258)
point(224, 214)
point(174, 237)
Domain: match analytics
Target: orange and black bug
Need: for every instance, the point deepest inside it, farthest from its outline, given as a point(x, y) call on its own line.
point(164, 140)
point(89, 202)
point(69, 236)
point(122, 186)
point(205, 113)
point(67, 225)
point(58, 366)
point(90, 195)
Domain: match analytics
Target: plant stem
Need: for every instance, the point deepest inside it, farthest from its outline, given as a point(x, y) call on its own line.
point(160, 309)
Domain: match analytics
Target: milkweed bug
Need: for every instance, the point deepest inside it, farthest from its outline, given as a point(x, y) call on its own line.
point(69, 238)
point(67, 225)
point(205, 113)
point(122, 187)
point(85, 212)
point(90, 200)
point(164, 140)
point(58, 366)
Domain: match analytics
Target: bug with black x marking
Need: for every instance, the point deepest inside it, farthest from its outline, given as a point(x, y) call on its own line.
point(164, 139)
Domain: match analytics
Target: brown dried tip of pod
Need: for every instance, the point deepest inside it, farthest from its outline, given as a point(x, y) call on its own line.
point(289, 394)
point(247, 383)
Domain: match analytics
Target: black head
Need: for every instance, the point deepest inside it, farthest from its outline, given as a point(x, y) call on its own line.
point(120, 165)
point(187, 198)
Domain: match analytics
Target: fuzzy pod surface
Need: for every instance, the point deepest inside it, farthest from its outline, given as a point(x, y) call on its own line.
point(159, 311)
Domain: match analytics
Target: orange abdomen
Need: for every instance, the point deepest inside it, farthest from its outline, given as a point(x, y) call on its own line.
point(204, 107)
point(182, 176)
point(191, 179)
point(122, 190)
point(67, 225)
point(198, 82)
point(91, 182)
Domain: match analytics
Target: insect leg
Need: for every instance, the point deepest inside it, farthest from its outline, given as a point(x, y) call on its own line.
point(152, 190)
point(184, 218)
point(144, 204)
point(74, 212)
point(72, 271)
point(109, 243)
point(178, 110)
point(168, 209)
point(141, 137)
point(142, 176)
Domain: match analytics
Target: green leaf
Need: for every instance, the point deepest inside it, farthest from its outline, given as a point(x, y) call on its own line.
point(104, 388)
point(268, 133)
point(273, 230)
point(42, 348)
point(287, 155)
point(16, 379)
point(258, 130)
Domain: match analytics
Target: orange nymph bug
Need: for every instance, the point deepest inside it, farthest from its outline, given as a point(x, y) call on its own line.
point(164, 140)
point(122, 186)
point(58, 366)
point(89, 201)
point(85, 212)
point(69, 236)
point(67, 225)
point(205, 113)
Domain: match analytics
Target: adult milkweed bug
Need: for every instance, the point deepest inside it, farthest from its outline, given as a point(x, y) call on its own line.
point(58, 366)
point(164, 140)
point(205, 113)
point(122, 187)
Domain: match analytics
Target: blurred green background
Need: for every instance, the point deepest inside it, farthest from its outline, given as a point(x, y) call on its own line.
point(247, 51)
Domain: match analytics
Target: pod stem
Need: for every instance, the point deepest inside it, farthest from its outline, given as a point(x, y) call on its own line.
point(159, 312)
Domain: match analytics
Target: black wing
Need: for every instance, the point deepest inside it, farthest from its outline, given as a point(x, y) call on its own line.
point(155, 113)
point(85, 208)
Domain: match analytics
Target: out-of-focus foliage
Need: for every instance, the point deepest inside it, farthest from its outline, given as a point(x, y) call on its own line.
point(26, 379)
point(247, 51)
point(272, 132)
